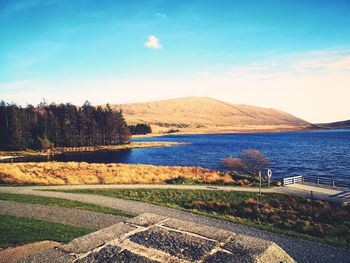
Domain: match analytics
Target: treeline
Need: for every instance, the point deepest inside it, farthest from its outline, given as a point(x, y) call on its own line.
point(140, 129)
point(63, 125)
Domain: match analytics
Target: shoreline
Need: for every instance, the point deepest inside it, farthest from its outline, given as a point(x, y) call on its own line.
point(230, 131)
point(5, 155)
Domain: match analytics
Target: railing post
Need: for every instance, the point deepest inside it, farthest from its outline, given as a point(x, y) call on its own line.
point(293, 180)
point(333, 183)
point(318, 180)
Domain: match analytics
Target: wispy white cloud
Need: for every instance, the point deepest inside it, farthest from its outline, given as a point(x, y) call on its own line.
point(323, 63)
point(312, 85)
point(161, 15)
point(314, 62)
point(153, 42)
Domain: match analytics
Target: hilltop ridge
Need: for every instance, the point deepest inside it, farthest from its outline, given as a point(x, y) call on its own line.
point(203, 114)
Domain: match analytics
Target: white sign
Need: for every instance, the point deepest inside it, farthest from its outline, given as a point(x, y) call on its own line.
point(269, 173)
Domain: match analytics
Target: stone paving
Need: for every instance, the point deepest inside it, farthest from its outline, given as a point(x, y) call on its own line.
point(151, 238)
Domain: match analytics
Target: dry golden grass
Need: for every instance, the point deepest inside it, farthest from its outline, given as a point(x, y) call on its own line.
point(58, 173)
point(207, 115)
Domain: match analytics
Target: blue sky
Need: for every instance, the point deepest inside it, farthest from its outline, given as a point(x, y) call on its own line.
point(281, 54)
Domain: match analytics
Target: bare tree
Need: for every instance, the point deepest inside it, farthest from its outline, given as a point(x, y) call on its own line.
point(254, 161)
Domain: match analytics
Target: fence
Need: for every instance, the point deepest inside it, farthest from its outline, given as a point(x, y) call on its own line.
point(322, 181)
point(292, 180)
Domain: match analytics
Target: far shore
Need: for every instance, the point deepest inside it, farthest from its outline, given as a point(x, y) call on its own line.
point(241, 130)
point(58, 150)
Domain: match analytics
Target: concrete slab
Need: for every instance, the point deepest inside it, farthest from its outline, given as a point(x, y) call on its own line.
point(88, 242)
point(151, 238)
point(308, 187)
point(209, 232)
point(174, 243)
point(147, 219)
point(112, 254)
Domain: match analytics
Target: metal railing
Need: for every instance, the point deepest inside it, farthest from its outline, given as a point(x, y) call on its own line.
point(327, 181)
point(322, 181)
point(292, 180)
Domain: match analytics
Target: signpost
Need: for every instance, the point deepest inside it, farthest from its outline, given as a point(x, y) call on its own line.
point(269, 174)
point(259, 183)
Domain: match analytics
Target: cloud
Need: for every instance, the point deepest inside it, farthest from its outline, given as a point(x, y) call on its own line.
point(323, 63)
point(161, 15)
point(327, 62)
point(310, 85)
point(153, 42)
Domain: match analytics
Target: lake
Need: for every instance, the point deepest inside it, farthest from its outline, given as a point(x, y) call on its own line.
point(315, 153)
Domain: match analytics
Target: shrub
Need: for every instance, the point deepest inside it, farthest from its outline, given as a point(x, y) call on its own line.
point(254, 161)
point(233, 164)
point(250, 161)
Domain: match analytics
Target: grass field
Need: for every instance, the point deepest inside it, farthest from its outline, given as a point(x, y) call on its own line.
point(294, 216)
point(62, 203)
point(58, 173)
point(19, 230)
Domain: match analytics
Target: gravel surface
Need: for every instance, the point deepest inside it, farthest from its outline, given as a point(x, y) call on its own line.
point(69, 216)
point(300, 250)
point(15, 254)
point(176, 244)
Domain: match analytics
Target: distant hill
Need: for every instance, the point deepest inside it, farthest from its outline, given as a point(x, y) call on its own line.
point(202, 114)
point(335, 125)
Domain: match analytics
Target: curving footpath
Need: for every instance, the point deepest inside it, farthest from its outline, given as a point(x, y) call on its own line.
point(63, 215)
point(300, 250)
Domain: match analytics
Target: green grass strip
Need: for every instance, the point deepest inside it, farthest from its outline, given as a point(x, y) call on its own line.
point(20, 230)
point(52, 201)
point(336, 230)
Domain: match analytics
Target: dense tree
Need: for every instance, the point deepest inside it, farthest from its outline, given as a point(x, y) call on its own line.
point(63, 125)
point(141, 128)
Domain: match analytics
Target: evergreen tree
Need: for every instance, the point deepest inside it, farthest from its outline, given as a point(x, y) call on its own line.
point(63, 125)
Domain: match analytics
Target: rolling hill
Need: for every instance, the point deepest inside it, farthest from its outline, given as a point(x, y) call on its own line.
point(335, 125)
point(207, 115)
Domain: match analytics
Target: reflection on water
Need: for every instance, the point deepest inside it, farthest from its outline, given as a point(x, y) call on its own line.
point(121, 156)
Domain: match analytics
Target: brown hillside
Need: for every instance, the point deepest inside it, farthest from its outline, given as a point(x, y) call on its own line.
point(335, 125)
point(201, 114)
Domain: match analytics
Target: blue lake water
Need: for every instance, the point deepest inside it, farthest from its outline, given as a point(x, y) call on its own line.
point(315, 153)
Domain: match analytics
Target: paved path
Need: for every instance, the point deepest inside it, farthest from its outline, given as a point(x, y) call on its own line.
point(295, 189)
point(324, 193)
point(300, 250)
point(63, 215)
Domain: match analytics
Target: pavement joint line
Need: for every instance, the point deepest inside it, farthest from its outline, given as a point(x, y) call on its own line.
point(119, 239)
point(186, 232)
point(149, 252)
point(218, 247)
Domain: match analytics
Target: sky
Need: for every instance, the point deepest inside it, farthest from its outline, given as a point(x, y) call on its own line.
point(289, 55)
